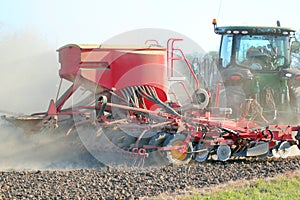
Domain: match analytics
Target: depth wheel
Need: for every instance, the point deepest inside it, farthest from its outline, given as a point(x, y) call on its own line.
point(181, 156)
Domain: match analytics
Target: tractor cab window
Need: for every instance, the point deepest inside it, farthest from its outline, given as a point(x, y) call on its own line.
point(226, 49)
point(261, 52)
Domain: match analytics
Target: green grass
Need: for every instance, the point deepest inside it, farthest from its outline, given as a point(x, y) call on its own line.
point(282, 187)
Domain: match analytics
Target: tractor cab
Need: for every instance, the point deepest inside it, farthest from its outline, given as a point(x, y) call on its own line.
point(255, 64)
point(255, 48)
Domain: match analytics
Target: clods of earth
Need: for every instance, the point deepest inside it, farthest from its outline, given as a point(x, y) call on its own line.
point(139, 183)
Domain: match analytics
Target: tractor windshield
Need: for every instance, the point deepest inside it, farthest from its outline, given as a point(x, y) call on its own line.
point(257, 52)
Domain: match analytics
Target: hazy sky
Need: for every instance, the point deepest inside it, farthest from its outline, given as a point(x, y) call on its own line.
point(94, 21)
point(32, 30)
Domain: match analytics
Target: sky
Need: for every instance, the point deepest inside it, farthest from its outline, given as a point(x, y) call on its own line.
point(32, 30)
point(94, 21)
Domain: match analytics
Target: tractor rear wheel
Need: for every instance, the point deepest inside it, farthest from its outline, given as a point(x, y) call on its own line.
point(295, 103)
point(234, 98)
point(178, 157)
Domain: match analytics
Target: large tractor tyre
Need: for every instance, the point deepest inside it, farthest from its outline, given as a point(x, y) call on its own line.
point(123, 140)
point(295, 102)
point(234, 98)
point(269, 112)
point(157, 158)
point(177, 157)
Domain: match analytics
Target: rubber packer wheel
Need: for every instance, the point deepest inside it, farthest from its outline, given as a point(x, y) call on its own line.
point(174, 156)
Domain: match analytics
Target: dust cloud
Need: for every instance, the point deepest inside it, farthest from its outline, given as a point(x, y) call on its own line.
point(29, 72)
point(29, 79)
point(46, 150)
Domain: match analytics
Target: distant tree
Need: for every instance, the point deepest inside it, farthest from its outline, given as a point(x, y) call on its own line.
point(211, 55)
point(296, 56)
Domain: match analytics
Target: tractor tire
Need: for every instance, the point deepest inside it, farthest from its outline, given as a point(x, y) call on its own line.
point(174, 156)
point(234, 98)
point(295, 103)
point(157, 158)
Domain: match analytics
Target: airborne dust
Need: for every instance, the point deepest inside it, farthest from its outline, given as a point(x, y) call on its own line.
point(29, 79)
point(51, 151)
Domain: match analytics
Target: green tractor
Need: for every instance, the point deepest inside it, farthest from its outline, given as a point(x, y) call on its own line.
point(255, 66)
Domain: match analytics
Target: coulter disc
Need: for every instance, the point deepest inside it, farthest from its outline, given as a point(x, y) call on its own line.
point(223, 152)
point(284, 149)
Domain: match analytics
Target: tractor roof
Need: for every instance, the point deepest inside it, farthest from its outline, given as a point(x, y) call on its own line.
point(254, 30)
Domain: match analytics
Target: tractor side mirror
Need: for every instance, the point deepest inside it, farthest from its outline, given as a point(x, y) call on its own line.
point(295, 47)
